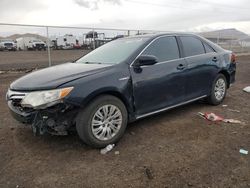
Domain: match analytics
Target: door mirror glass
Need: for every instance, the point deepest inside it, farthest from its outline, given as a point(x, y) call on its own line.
point(145, 60)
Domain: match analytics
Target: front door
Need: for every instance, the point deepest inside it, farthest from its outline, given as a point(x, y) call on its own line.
point(163, 84)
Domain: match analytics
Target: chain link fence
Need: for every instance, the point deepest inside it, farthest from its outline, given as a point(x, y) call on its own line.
point(235, 41)
point(27, 47)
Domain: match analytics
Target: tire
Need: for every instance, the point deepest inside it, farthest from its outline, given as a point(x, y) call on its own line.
point(90, 126)
point(218, 90)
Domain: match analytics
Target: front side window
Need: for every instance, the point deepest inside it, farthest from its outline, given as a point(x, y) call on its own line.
point(192, 46)
point(164, 48)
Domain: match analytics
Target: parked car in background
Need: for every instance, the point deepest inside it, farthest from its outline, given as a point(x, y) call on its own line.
point(77, 46)
point(7, 44)
point(30, 43)
point(122, 81)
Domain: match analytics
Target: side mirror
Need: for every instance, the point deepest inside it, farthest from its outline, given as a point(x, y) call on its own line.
point(145, 60)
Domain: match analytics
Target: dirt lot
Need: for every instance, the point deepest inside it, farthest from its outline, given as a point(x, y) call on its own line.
point(36, 59)
point(174, 149)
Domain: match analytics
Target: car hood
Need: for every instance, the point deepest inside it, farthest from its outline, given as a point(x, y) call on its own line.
point(52, 77)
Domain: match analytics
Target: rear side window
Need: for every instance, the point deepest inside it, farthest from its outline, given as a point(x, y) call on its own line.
point(164, 48)
point(208, 48)
point(192, 46)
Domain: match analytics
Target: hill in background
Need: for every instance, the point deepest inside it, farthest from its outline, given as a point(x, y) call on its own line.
point(15, 36)
point(225, 33)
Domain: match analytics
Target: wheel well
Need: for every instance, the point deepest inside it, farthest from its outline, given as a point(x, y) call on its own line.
point(226, 74)
point(115, 94)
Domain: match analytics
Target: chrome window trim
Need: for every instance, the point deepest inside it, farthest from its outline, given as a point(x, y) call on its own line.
point(170, 107)
point(162, 62)
point(198, 55)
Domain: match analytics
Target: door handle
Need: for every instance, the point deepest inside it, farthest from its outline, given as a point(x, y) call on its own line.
point(214, 59)
point(180, 67)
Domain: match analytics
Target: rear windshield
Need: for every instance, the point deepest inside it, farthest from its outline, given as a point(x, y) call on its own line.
point(113, 52)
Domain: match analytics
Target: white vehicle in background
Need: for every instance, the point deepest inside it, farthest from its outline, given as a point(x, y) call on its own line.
point(7, 44)
point(30, 43)
point(65, 42)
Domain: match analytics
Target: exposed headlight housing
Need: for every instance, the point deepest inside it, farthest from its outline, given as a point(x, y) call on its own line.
point(44, 99)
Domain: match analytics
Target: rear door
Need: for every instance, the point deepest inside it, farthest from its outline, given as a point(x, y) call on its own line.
point(202, 66)
point(163, 84)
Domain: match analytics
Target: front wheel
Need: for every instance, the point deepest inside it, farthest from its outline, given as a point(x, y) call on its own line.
point(102, 122)
point(218, 91)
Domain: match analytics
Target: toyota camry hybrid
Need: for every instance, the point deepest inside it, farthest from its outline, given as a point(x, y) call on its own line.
point(120, 82)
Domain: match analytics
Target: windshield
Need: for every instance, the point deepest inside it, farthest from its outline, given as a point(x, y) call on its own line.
point(113, 52)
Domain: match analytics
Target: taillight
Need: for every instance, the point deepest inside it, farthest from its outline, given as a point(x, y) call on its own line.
point(233, 58)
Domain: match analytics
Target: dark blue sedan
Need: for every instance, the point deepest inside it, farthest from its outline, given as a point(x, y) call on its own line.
point(120, 82)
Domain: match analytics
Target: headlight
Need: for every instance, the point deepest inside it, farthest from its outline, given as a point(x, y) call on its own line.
point(43, 99)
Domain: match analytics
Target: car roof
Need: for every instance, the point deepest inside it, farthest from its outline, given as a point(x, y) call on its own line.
point(155, 35)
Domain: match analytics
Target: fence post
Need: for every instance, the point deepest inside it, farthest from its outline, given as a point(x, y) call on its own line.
point(218, 38)
point(48, 45)
point(93, 38)
point(242, 49)
point(231, 42)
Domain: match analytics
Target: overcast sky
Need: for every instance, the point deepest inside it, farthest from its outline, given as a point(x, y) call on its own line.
point(169, 15)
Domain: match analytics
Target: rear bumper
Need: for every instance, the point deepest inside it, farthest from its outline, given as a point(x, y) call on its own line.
point(232, 77)
point(232, 73)
point(23, 117)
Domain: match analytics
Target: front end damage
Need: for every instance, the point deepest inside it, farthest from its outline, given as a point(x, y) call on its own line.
point(57, 119)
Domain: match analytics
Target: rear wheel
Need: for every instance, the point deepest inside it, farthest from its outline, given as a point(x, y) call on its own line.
point(102, 122)
point(219, 90)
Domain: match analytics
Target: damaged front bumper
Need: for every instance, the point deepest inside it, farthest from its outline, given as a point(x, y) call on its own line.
point(55, 120)
point(25, 117)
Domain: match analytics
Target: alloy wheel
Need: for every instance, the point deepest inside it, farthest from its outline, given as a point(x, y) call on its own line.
point(106, 122)
point(220, 89)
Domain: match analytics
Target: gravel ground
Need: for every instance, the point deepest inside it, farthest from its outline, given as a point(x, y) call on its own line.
point(173, 149)
point(36, 59)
